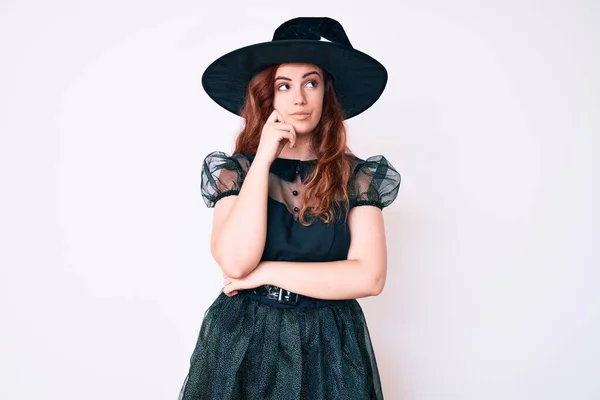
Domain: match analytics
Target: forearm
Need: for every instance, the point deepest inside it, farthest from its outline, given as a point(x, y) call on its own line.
point(240, 243)
point(333, 280)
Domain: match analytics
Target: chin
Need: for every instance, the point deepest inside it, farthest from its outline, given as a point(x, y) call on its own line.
point(302, 129)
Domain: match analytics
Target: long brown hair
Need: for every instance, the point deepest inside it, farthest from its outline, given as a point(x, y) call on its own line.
point(327, 185)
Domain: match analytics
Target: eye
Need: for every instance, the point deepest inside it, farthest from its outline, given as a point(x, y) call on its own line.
point(313, 82)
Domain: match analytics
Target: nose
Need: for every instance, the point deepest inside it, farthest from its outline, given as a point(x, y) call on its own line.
point(299, 98)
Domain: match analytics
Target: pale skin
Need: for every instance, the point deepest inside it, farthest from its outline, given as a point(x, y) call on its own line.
point(239, 222)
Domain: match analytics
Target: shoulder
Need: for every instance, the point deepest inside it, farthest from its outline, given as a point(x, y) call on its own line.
point(373, 161)
point(222, 175)
point(374, 181)
point(221, 156)
point(217, 160)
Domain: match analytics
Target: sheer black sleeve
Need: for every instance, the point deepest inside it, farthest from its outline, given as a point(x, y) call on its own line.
point(222, 175)
point(375, 182)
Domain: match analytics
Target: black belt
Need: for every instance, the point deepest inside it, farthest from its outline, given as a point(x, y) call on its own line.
point(279, 297)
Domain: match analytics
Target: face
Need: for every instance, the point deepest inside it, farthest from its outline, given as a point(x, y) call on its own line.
point(299, 90)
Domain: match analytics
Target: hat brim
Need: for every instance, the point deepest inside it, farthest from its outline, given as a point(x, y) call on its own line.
point(359, 78)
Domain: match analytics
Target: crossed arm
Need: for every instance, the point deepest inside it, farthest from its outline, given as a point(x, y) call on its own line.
point(362, 274)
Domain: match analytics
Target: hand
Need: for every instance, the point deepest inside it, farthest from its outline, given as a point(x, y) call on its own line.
point(254, 279)
point(275, 134)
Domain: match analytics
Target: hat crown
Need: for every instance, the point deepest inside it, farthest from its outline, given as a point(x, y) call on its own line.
point(312, 28)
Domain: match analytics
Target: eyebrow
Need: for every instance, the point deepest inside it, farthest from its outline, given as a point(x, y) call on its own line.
point(303, 76)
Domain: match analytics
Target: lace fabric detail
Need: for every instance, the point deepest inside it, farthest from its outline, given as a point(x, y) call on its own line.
point(222, 176)
point(374, 181)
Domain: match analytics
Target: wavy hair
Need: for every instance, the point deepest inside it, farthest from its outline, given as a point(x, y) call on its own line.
point(327, 185)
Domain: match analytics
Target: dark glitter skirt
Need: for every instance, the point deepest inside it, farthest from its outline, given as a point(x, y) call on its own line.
point(252, 350)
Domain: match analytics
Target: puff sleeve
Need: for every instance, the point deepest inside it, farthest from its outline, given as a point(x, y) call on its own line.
point(222, 175)
point(375, 182)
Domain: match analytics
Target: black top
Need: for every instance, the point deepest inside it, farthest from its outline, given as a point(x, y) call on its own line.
point(374, 182)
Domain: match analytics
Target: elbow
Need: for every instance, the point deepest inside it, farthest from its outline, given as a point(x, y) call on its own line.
point(235, 273)
point(233, 266)
point(377, 289)
point(372, 278)
point(378, 284)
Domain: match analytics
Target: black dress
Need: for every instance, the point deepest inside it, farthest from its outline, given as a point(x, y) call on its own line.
point(253, 350)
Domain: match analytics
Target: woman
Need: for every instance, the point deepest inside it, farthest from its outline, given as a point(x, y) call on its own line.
point(298, 229)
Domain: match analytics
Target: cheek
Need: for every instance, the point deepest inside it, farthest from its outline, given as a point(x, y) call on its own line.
point(276, 101)
point(319, 101)
point(316, 117)
point(319, 109)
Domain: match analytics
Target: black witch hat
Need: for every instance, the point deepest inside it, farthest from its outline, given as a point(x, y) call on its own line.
point(358, 78)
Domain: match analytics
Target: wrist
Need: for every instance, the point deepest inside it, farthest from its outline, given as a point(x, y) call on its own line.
point(263, 269)
point(262, 161)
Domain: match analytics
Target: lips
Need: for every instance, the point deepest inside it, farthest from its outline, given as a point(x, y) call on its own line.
point(300, 115)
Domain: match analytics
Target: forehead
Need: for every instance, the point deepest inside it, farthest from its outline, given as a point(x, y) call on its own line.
point(296, 70)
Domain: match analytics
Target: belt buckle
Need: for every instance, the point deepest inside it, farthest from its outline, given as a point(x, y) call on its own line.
point(287, 297)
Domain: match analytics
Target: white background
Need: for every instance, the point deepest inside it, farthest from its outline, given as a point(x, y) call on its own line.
point(491, 115)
